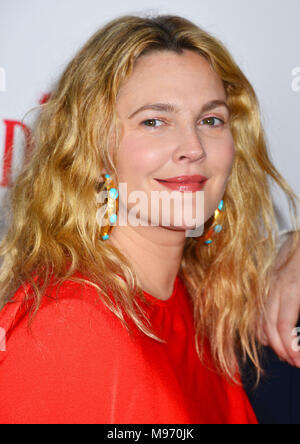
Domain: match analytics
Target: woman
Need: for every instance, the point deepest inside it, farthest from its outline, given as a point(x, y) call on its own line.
point(139, 323)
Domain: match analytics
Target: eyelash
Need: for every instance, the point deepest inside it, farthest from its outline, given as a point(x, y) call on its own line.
point(206, 118)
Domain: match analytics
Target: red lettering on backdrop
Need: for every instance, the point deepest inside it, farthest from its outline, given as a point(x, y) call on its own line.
point(10, 126)
point(44, 98)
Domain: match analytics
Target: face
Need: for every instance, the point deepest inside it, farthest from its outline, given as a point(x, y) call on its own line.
point(192, 137)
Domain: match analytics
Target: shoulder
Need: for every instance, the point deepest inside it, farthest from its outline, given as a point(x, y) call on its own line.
point(72, 328)
point(69, 311)
point(56, 366)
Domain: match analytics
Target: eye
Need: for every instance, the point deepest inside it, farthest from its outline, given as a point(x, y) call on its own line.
point(151, 120)
point(210, 121)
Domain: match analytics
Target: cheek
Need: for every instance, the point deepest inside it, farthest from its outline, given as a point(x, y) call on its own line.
point(138, 155)
point(223, 157)
point(229, 158)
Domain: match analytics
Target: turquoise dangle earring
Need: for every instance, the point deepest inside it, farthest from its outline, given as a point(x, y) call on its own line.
point(216, 227)
point(112, 205)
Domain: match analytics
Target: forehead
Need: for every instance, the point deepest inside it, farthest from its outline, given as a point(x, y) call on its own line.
point(166, 73)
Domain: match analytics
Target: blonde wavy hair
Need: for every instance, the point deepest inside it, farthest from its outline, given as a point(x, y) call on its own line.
point(52, 230)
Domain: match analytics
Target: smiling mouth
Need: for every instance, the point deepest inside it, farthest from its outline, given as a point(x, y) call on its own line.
point(182, 182)
point(186, 186)
point(197, 178)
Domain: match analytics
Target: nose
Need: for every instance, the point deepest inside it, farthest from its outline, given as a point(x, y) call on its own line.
point(190, 147)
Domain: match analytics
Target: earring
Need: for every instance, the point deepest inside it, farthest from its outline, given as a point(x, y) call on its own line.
point(216, 227)
point(112, 204)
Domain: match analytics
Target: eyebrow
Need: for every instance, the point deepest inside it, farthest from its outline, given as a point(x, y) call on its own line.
point(169, 107)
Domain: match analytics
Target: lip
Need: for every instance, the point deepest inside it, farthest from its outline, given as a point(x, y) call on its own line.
point(184, 179)
point(184, 185)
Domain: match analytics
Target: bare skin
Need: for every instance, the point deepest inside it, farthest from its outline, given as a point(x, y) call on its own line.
point(284, 307)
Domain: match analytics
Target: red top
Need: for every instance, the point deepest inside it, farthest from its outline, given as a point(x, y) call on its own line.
point(80, 365)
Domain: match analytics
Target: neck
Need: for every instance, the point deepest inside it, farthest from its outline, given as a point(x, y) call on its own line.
point(155, 254)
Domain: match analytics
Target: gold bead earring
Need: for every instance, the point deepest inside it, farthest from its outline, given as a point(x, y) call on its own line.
point(111, 206)
point(216, 227)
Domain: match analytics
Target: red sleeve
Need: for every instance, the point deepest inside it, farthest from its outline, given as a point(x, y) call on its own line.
point(64, 368)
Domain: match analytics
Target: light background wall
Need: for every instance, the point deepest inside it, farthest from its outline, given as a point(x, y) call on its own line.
point(39, 37)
